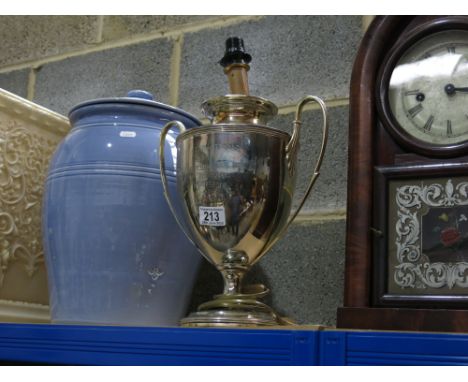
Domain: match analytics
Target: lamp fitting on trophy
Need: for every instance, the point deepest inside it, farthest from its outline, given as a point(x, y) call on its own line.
point(235, 180)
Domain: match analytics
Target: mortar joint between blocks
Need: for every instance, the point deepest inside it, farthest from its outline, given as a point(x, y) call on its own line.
point(31, 86)
point(174, 78)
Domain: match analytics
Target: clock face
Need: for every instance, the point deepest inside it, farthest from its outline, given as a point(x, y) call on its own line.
point(428, 89)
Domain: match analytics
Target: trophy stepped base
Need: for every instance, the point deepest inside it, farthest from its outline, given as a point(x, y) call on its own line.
point(234, 311)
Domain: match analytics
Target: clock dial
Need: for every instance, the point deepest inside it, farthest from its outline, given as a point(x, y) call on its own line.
point(428, 89)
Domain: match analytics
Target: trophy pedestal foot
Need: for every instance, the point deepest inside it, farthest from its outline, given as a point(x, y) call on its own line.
point(238, 310)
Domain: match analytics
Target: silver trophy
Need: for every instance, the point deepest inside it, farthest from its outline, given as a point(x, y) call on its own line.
point(235, 186)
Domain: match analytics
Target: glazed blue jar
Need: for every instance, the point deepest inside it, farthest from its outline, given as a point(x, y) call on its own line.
point(114, 253)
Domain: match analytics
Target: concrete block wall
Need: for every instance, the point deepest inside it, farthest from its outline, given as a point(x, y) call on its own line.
point(59, 61)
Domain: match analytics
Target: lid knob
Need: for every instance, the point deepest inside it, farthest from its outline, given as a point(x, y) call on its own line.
point(140, 94)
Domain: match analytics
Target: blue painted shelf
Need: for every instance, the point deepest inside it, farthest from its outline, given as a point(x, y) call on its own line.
point(343, 347)
point(116, 345)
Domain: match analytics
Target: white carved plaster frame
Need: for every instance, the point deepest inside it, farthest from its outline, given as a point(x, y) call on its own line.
point(29, 134)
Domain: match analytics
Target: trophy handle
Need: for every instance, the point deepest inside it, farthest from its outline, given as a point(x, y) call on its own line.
point(293, 146)
point(291, 154)
point(162, 165)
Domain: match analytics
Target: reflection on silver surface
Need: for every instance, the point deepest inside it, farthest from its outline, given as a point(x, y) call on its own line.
point(171, 140)
point(244, 175)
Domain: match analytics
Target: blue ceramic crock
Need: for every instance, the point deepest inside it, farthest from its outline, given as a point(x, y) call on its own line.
point(114, 253)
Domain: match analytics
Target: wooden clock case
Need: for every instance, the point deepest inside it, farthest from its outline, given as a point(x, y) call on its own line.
point(378, 153)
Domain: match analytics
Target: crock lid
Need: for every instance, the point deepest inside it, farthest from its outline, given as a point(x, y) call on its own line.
point(139, 97)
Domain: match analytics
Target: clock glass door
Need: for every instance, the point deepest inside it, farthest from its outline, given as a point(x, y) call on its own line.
point(428, 89)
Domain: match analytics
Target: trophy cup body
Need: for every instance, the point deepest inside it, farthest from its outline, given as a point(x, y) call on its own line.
point(235, 183)
point(236, 190)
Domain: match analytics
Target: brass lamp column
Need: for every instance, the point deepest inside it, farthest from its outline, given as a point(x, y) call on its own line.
point(236, 65)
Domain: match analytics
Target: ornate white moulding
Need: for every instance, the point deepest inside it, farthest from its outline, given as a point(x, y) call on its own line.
point(29, 134)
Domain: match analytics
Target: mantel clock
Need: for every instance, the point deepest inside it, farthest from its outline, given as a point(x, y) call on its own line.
point(407, 233)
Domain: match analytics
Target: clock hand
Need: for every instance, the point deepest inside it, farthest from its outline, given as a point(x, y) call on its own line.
point(450, 89)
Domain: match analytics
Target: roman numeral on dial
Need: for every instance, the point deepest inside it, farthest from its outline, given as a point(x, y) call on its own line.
point(428, 124)
point(451, 49)
point(415, 110)
point(412, 92)
point(449, 127)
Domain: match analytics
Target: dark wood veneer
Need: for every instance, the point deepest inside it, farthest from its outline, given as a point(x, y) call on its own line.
point(360, 158)
point(431, 320)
